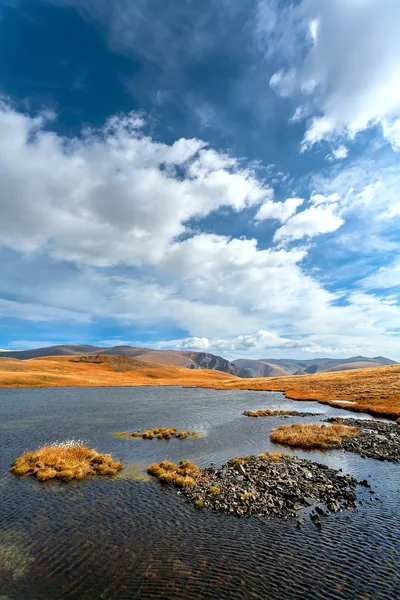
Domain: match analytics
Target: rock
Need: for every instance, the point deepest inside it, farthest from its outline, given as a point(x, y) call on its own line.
point(375, 439)
point(315, 518)
point(309, 500)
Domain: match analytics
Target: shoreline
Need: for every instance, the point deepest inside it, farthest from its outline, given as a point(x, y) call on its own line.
point(374, 391)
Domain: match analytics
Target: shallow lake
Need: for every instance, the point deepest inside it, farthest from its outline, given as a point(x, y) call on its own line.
point(133, 538)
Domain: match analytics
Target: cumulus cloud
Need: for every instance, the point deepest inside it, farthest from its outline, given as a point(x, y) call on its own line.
point(73, 208)
point(351, 70)
point(113, 195)
point(338, 154)
point(310, 222)
point(278, 210)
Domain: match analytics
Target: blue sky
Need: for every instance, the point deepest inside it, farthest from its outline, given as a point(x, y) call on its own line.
point(219, 176)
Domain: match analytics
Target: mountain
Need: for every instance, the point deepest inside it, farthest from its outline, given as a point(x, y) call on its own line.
point(271, 367)
point(190, 360)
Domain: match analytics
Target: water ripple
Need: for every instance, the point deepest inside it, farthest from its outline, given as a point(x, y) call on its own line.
point(133, 539)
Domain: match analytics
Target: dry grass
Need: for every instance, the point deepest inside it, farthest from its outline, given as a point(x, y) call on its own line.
point(312, 436)
point(182, 475)
point(269, 413)
point(375, 391)
point(65, 461)
point(162, 433)
point(274, 456)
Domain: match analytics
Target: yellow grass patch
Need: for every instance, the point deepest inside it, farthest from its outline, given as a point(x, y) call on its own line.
point(66, 461)
point(312, 436)
point(182, 475)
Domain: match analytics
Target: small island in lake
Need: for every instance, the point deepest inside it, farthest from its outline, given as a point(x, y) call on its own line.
point(270, 484)
point(278, 413)
point(368, 438)
point(65, 461)
point(312, 436)
point(161, 433)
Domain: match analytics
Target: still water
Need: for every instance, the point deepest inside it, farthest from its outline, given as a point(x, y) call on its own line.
point(133, 538)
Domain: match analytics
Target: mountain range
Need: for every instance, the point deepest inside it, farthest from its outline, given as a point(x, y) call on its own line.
point(271, 367)
point(242, 367)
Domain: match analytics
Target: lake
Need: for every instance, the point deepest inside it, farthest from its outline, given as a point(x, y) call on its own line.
point(133, 538)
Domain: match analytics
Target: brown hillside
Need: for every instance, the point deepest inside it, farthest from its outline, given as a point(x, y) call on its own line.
point(102, 371)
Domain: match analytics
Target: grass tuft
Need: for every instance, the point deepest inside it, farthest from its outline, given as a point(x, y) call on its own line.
point(182, 475)
point(65, 461)
point(312, 436)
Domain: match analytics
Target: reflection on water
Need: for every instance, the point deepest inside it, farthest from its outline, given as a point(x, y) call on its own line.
point(125, 539)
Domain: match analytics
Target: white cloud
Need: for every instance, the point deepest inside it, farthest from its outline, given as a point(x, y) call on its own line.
point(385, 277)
point(111, 196)
point(338, 154)
point(351, 69)
point(310, 222)
point(318, 199)
point(391, 131)
point(73, 208)
point(278, 210)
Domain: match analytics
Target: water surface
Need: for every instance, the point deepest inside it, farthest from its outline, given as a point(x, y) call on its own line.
point(133, 538)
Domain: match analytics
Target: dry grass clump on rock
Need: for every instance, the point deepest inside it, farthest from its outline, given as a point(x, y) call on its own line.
point(182, 475)
point(312, 436)
point(66, 461)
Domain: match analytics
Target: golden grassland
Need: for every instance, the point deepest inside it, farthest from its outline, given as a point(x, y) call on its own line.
point(312, 436)
point(376, 390)
point(66, 461)
point(66, 371)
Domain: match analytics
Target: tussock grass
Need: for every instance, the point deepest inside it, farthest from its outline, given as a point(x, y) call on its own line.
point(269, 413)
point(312, 436)
point(162, 433)
point(66, 461)
point(182, 475)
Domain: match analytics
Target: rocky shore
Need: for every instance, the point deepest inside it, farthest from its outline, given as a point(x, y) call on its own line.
point(375, 439)
point(273, 485)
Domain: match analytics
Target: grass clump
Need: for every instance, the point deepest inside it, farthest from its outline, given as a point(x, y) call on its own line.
point(182, 475)
point(269, 413)
point(65, 461)
point(162, 433)
point(312, 436)
point(274, 456)
point(214, 490)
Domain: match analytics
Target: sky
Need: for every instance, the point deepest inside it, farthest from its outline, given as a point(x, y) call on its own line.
point(220, 176)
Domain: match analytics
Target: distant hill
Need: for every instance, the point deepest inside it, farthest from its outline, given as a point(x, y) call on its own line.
point(190, 360)
point(271, 367)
